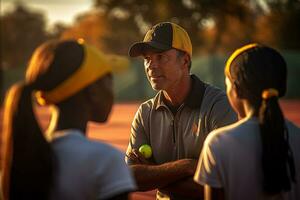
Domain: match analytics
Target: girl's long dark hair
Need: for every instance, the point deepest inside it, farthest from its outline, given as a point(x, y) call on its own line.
point(28, 161)
point(254, 71)
point(277, 159)
point(31, 161)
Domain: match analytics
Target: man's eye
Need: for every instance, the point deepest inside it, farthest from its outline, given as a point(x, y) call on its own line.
point(162, 58)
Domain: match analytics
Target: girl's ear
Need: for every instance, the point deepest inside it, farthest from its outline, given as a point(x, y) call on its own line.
point(239, 92)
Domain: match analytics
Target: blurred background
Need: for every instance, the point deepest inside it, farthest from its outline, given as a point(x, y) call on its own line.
point(216, 27)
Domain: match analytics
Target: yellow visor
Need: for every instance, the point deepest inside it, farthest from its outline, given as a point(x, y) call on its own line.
point(234, 55)
point(94, 66)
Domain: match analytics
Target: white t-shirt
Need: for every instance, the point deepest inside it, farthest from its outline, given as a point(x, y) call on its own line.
point(231, 159)
point(87, 169)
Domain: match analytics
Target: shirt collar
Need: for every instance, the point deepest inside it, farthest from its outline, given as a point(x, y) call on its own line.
point(62, 133)
point(195, 96)
point(193, 99)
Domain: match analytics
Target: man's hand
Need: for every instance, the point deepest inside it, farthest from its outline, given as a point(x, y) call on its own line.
point(137, 158)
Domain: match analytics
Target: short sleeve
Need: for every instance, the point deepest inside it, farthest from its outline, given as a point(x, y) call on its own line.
point(115, 177)
point(138, 135)
point(221, 113)
point(208, 170)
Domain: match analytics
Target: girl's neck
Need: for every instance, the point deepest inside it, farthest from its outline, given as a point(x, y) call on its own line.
point(247, 110)
point(62, 120)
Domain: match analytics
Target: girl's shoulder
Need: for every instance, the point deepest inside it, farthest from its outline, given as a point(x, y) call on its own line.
point(230, 132)
point(292, 128)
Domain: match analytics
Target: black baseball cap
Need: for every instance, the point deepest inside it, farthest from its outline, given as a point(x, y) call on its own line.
point(162, 37)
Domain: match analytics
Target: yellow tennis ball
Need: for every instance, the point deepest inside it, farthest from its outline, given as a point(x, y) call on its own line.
point(146, 150)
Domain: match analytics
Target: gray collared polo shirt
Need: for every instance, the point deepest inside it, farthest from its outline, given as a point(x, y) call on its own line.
point(174, 137)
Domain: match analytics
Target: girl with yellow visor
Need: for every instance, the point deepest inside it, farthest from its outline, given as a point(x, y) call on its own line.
point(75, 78)
point(259, 156)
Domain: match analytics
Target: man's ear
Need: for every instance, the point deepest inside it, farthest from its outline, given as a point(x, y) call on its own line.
point(186, 60)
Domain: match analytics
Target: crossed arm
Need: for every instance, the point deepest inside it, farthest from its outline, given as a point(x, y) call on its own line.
point(175, 176)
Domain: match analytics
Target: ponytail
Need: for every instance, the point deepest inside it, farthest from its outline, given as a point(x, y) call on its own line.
point(277, 160)
point(28, 158)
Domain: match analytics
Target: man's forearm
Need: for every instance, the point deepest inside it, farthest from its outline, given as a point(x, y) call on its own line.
point(149, 177)
point(186, 187)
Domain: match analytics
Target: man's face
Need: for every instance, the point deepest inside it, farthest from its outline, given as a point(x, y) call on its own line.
point(164, 70)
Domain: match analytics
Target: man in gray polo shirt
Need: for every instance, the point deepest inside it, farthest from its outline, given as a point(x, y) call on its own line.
point(177, 120)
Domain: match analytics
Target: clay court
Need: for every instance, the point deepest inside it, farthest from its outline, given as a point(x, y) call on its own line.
point(116, 131)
